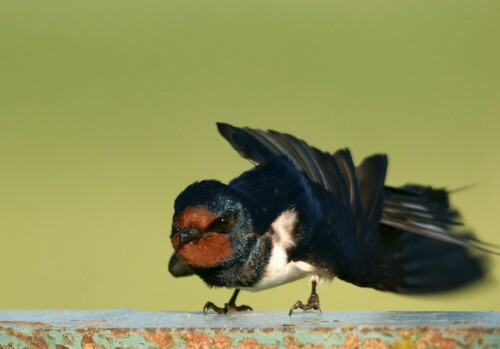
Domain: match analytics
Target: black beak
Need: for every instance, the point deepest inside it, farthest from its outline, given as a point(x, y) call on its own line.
point(189, 235)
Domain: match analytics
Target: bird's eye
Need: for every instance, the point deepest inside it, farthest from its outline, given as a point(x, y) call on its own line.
point(222, 223)
point(225, 221)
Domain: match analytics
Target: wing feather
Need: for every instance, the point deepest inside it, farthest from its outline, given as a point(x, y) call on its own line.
point(333, 173)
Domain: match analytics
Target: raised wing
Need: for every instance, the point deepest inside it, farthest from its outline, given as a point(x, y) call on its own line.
point(416, 209)
point(334, 172)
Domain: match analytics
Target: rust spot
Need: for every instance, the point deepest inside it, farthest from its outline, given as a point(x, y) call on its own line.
point(374, 343)
point(204, 252)
point(34, 324)
point(222, 341)
point(120, 332)
point(197, 340)
point(195, 217)
point(352, 341)
point(253, 343)
point(68, 338)
point(88, 341)
point(436, 339)
point(36, 340)
point(164, 340)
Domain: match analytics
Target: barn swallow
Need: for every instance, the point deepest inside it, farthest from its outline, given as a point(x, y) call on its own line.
point(301, 212)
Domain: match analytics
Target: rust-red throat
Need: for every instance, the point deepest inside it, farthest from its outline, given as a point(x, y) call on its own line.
point(206, 251)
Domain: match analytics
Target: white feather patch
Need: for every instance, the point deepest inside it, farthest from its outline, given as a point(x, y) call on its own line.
point(414, 206)
point(430, 227)
point(279, 270)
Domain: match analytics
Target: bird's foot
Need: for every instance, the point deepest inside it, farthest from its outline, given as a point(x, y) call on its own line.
point(229, 308)
point(312, 302)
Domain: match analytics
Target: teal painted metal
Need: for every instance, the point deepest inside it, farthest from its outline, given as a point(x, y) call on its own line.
point(131, 329)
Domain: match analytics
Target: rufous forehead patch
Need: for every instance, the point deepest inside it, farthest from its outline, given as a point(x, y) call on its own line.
point(195, 217)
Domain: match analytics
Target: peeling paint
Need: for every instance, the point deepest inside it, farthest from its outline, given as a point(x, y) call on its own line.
point(340, 332)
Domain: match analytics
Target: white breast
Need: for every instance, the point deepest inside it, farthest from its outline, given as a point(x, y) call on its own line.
point(279, 270)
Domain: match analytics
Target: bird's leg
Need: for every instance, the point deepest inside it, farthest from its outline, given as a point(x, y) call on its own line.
point(312, 302)
point(229, 307)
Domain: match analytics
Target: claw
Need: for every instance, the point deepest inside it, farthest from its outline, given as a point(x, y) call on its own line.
point(312, 302)
point(210, 305)
point(229, 307)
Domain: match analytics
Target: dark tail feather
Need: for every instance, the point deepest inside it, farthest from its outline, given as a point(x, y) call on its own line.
point(409, 263)
point(416, 249)
point(428, 265)
point(432, 257)
point(426, 211)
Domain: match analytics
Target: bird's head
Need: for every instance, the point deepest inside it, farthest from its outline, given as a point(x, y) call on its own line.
point(211, 224)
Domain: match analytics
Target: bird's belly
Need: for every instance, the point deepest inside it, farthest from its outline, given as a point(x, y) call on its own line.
point(279, 275)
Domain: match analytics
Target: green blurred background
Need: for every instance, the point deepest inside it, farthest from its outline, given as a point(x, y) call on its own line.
point(108, 111)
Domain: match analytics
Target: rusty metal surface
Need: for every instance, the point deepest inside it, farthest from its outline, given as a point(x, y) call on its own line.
point(131, 329)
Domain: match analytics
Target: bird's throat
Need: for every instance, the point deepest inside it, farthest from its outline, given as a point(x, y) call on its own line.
point(206, 252)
